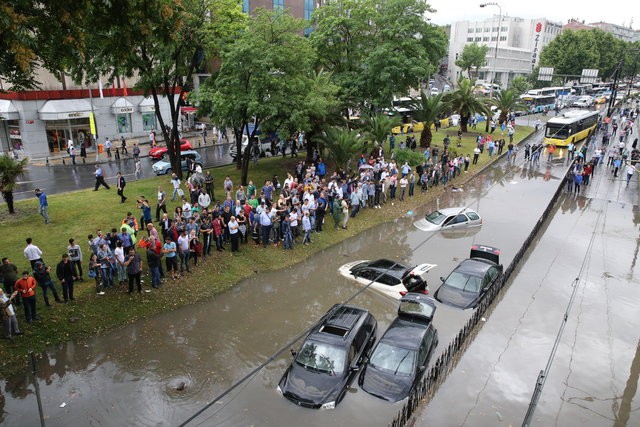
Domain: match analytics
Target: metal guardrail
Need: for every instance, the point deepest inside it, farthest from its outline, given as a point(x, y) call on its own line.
point(447, 360)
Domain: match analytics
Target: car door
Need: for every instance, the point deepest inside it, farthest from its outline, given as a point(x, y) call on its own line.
point(423, 353)
point(457, 221)
point(364, 275)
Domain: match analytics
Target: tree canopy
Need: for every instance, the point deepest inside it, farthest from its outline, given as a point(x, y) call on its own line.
point(376, 49)
point(473, 56)
point(465, 102)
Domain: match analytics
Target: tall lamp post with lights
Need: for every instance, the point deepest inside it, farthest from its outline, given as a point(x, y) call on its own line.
point(495, 54)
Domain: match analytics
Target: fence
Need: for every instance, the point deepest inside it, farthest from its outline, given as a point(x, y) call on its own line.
point(447, 359)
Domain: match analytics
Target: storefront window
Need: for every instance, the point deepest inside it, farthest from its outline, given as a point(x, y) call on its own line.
point(124, 123)
point(148, 121)
point(59, 132)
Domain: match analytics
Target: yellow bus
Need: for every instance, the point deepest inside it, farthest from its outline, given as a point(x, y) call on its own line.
point(571, 127)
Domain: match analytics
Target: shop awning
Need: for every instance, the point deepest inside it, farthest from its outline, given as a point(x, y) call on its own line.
point(122, 106)
point(189, 110)
point(8, 111)
point(61, 109)
point(147, 105)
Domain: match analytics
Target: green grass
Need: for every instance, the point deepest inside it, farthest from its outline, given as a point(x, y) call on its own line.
point(77, 214)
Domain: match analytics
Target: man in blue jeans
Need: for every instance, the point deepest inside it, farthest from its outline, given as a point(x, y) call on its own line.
point(183, 251)
point(42, 275)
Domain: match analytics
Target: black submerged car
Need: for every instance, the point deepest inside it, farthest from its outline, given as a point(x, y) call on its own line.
point(469, 282)
point(399, 360)
point(330, 357)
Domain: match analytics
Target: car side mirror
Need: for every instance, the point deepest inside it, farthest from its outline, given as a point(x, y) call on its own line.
point(442, 279)
point(355, 368)
point(293, 353)
point(422, 368)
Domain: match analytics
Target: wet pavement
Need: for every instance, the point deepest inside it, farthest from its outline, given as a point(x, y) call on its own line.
point(59, 178)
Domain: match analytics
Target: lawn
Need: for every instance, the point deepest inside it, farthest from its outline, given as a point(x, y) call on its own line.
point(77, 214)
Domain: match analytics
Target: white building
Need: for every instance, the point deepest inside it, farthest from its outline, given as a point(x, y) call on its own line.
point(41, 122)
point(519, 45)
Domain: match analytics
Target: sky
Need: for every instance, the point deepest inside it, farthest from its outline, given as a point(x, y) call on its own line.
point(613, 11)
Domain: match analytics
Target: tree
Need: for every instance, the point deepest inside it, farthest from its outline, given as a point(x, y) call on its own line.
point(10, 170)
point(343, 145)
point(428, 109)
point(473, 56)
point(159, 41)
point(265, 79)
point(507, 101)
point(376, 49)
point(378, 126)
point(465, 102)
point(520, 84)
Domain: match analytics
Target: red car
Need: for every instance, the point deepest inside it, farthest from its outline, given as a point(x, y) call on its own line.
point(159, 152)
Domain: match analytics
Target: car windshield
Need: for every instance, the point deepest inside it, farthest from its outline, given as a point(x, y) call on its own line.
point(436, 217)
point(389, 358)
point(317, 356)
point(464, 282)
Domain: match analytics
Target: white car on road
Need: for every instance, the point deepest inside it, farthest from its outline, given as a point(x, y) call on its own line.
point(448, 219)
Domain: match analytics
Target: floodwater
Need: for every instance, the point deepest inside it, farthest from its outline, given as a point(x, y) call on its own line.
point(594, 374)
point(159, 371)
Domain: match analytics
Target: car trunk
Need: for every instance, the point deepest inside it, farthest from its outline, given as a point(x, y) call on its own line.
point(485, 252)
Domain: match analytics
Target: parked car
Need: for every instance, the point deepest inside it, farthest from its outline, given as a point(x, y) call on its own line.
point(408, 127)
point(399, 360)
point(330, 357)
point(163, 167)
point(449, 218)
point(388, 277)
point(434, 91)
point(454, 120)
point(469, 282)
point(160, 152)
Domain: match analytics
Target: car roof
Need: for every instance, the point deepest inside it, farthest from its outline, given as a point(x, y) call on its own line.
point(455, 211)
point(404, 333)
point(386, 266)
point(475, 266)
point(338, 323)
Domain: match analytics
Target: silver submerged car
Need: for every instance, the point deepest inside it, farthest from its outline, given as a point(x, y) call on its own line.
point(448, 219)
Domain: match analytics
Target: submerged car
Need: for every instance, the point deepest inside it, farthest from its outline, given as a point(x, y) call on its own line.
point(469, 282)
point(330, 357)
point(448, 219)
point(388, 277)
point(160, 152)
point(163, 167)
point(399, 360)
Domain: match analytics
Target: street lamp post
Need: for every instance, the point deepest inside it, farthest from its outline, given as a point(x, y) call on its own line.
point(495, 54)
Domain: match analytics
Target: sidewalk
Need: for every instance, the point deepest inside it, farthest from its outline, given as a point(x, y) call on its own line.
point(63, 159)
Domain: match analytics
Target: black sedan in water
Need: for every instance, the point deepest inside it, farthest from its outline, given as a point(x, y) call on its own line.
point(330, 358)
point(398, 362)
point(469, 282)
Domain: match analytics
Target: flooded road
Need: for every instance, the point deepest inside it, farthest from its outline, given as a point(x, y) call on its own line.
point(594, 374)
point(160, 371)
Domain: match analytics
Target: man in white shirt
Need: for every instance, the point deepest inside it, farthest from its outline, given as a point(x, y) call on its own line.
point(204, 200)
point(32, 253)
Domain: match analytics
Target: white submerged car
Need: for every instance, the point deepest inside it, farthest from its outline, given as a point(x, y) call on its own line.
point(389, 277)
point(449, 219)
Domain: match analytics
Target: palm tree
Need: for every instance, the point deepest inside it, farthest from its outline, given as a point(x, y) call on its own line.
point(378, 126)
point(428, 109)
point(343, 145)
point(10, 170)
point(507, 101)
point(466, 103)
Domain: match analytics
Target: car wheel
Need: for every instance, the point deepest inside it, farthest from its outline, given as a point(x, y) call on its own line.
point(169, 171)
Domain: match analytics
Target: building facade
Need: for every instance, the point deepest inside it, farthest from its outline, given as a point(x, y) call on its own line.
point(518, 41)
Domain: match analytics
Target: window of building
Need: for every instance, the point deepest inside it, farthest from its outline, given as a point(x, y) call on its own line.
point(308, 11)
point(486, 30)
point(470, 30)
point(493, 38)
point(504, 28)
point(485, 39)
point(124, 123)
point(469, 39)
point(478, 39)
point(503, 38)
point(245, 6)
point(148, 121)
point(278, 4)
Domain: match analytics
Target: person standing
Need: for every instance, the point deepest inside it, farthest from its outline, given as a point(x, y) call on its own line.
point(630, 171)
point(153, 260)
point(107, 146)
point(120, 184)
point(306, 228)
point(162, 203)
point(183, 251)
point(100, 178)
point(170, 256)
point(42, 274)
point(476, 154)
point(75, 256)
point(8, 314)
point(136, 152)
point(43, 209)
point(123, 145)
point(72, 154)
point(26, 286)
point(66, 275)
point(234, 234)
point(32, 252)
point(208, 185)
point(138, 169)
point(134, 270)
point(9, 275)
point(175, 182)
